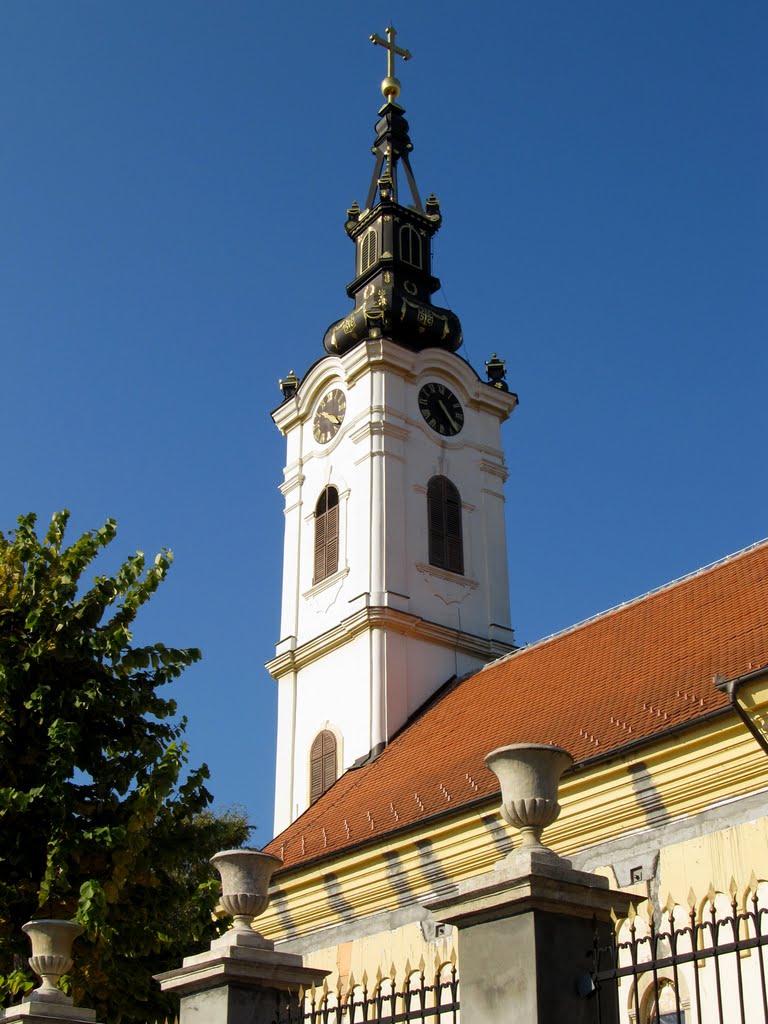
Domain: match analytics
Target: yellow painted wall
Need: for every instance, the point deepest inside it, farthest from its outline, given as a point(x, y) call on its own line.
point(382, 951)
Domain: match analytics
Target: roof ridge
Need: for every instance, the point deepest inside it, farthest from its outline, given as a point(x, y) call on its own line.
point(662, 588)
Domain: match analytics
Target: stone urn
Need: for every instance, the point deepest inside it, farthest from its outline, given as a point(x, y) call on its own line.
point(51, 956)
point(529, 774)
point(245, 877)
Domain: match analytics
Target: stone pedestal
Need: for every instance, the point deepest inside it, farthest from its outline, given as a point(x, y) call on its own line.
point(40, 1011)
point(237, 981)
point(525, 935)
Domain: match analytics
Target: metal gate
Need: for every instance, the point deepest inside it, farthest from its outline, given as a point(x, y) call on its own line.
point(418, 997)
point(700, 965)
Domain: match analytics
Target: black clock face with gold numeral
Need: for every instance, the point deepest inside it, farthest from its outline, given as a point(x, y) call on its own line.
point(441, 409)
point(329, 416)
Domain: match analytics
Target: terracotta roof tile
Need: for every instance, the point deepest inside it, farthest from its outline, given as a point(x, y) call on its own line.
point(622, 676)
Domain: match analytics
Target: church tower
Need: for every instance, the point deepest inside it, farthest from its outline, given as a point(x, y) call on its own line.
point(395, 560)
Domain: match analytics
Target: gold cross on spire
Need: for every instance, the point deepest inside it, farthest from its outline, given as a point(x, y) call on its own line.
point(390, 87)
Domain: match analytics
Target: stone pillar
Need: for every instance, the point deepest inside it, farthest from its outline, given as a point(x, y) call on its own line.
point(240, 979)
point(527, 928)
point(525, 937)
point(237, 982)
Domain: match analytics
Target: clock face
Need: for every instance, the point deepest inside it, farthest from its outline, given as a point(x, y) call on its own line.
point(441, 409)
point(329, 416)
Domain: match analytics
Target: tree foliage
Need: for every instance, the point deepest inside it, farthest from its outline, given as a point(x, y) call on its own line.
point(100, 820)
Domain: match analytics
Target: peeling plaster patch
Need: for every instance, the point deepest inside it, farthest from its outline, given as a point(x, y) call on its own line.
point(397, 878)
point(498, 833)
point(433, 869)
point(647, 860)
point(336, 898)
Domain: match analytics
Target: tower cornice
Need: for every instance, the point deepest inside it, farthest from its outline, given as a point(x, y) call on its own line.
point(298, 657)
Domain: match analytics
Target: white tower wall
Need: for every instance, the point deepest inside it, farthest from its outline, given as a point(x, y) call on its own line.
point(363, 649)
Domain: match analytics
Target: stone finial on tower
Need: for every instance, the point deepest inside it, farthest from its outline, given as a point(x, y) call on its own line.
point(497, 371)
point(289, 386)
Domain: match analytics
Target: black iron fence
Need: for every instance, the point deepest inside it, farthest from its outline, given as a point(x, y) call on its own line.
point(704, 964)
point(418, 996)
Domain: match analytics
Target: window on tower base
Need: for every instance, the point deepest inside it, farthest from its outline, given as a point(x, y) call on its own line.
point(322, 764)
point(446, 545)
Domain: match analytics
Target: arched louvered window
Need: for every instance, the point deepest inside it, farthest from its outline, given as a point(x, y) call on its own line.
point(326, 534)
point(410, 245)
point(368, 250)
point(322, 764)
point(446, 547)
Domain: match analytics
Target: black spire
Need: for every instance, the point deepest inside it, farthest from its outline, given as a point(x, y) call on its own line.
point(393, 282)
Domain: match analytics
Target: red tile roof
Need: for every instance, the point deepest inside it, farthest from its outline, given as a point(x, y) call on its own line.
point(625, 675)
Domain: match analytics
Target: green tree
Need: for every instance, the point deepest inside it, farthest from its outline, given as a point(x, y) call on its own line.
point(99, 817)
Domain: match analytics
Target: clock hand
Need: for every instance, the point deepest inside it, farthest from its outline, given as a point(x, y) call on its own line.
point(451, 420)
point(331, 417)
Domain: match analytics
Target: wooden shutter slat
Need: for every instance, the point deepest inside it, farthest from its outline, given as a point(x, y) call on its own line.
point(446, 546)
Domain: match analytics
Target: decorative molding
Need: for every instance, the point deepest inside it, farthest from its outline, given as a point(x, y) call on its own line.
point(324, 594)
point(380, 617)
point(487, 401)
point(494, 469)
point(493, 494)
point(448, 586)
point(382, 428)
point(343, 496)
point(292, 481)
point(378, 354)
point(368, 454)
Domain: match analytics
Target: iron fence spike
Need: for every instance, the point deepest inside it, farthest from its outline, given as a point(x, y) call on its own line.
point(692, 898)
point(711, 893)
point(753, 882)
point(650, 914)
point(733, 888)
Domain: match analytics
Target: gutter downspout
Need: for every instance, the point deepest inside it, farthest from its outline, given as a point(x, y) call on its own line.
point(731, 688)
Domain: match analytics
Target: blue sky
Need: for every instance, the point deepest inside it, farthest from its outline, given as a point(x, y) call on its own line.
point(173, 185)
